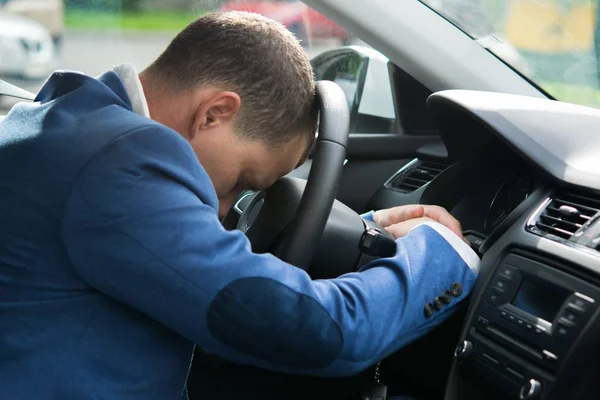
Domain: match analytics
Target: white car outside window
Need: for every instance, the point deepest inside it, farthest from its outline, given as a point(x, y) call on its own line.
point(26, 48)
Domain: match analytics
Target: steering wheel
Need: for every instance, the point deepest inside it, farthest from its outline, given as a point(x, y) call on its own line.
point(288, 219)
point(300, 221)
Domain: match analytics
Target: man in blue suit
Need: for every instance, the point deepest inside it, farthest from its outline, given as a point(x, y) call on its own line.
point(113, 260)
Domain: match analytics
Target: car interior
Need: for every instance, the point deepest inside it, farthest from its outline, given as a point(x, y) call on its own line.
point(518, 169)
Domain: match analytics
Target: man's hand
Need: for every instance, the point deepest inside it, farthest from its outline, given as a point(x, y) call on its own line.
point(400, 220)
point(402, 228)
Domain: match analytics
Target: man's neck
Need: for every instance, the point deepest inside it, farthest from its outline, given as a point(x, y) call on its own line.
point(165, 108)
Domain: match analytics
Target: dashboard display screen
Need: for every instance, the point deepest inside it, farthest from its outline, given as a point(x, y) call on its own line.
point(508, 196)
point(540, 300)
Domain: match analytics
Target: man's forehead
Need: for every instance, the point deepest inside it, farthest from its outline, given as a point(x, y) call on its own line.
point(278, 162)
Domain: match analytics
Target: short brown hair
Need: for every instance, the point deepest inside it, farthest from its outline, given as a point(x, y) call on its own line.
point(254, 56)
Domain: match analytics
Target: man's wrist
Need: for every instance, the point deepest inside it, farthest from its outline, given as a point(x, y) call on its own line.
point(464, 250)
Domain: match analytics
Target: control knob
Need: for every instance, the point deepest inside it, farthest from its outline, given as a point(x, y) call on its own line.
point(531, 390)
point(463, 351)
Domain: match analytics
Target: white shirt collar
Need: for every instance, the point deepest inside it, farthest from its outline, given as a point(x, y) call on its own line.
point(131, 81)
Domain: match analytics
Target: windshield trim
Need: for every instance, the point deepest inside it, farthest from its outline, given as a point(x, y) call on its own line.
point(516, 70)
point(479, 42)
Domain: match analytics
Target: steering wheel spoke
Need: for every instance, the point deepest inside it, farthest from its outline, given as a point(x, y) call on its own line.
point(243, 201)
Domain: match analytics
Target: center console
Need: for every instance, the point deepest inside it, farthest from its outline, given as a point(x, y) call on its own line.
point(525, 325)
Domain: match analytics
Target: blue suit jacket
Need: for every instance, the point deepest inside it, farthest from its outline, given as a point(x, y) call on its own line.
point(113, 263)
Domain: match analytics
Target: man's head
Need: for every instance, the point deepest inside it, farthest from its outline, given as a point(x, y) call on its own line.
point(240, 88)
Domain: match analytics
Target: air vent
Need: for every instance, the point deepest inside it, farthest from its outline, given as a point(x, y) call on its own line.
point(565, 214)
point(415, 175)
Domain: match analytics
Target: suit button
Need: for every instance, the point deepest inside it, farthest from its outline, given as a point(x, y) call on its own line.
point(456, 289)
point(428, 310)
point(437, 303)
point(446, 296)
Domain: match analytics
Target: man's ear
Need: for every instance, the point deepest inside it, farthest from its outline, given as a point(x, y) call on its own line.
point(219, 107)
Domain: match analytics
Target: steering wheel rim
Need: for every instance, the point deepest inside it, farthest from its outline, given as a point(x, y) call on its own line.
point(264, 218)
point(324, 177)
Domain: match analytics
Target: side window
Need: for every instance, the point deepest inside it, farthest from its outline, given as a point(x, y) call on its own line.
point(345, 71)
point(363, 75)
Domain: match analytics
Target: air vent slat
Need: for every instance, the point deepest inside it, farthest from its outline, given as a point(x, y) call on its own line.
point(566, 214)
point(433, 170)
point(432, 167)
point(556, 210)
point(554, 230)
point(417, 181)
point(562, 221)
point(419, 174)
point(585, 200)
point(579, 206)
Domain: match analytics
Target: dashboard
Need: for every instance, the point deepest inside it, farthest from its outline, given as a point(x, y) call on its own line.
point(523, 177)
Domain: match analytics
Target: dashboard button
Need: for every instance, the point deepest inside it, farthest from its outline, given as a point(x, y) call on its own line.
point(539, 331)
point(562, 331)
point(503, 314)
point(482, 321)
point(565, 322)
point(579, 304)
point(575, 308)
point(437, 303)
point(500, 286)
point(551, 357)
point(569, 316)
point(474, 240)
point(494, 298)
point(507, 272)
point(529, 327)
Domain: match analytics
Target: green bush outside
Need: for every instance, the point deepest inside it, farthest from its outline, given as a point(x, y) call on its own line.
point(128, 21)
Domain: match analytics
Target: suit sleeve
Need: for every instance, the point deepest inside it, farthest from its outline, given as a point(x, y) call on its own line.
point(141, 226)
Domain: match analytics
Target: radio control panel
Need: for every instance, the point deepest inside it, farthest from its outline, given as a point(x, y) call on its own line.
point(534, 310)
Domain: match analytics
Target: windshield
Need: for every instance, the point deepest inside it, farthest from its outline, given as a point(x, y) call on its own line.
point(554, 43)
